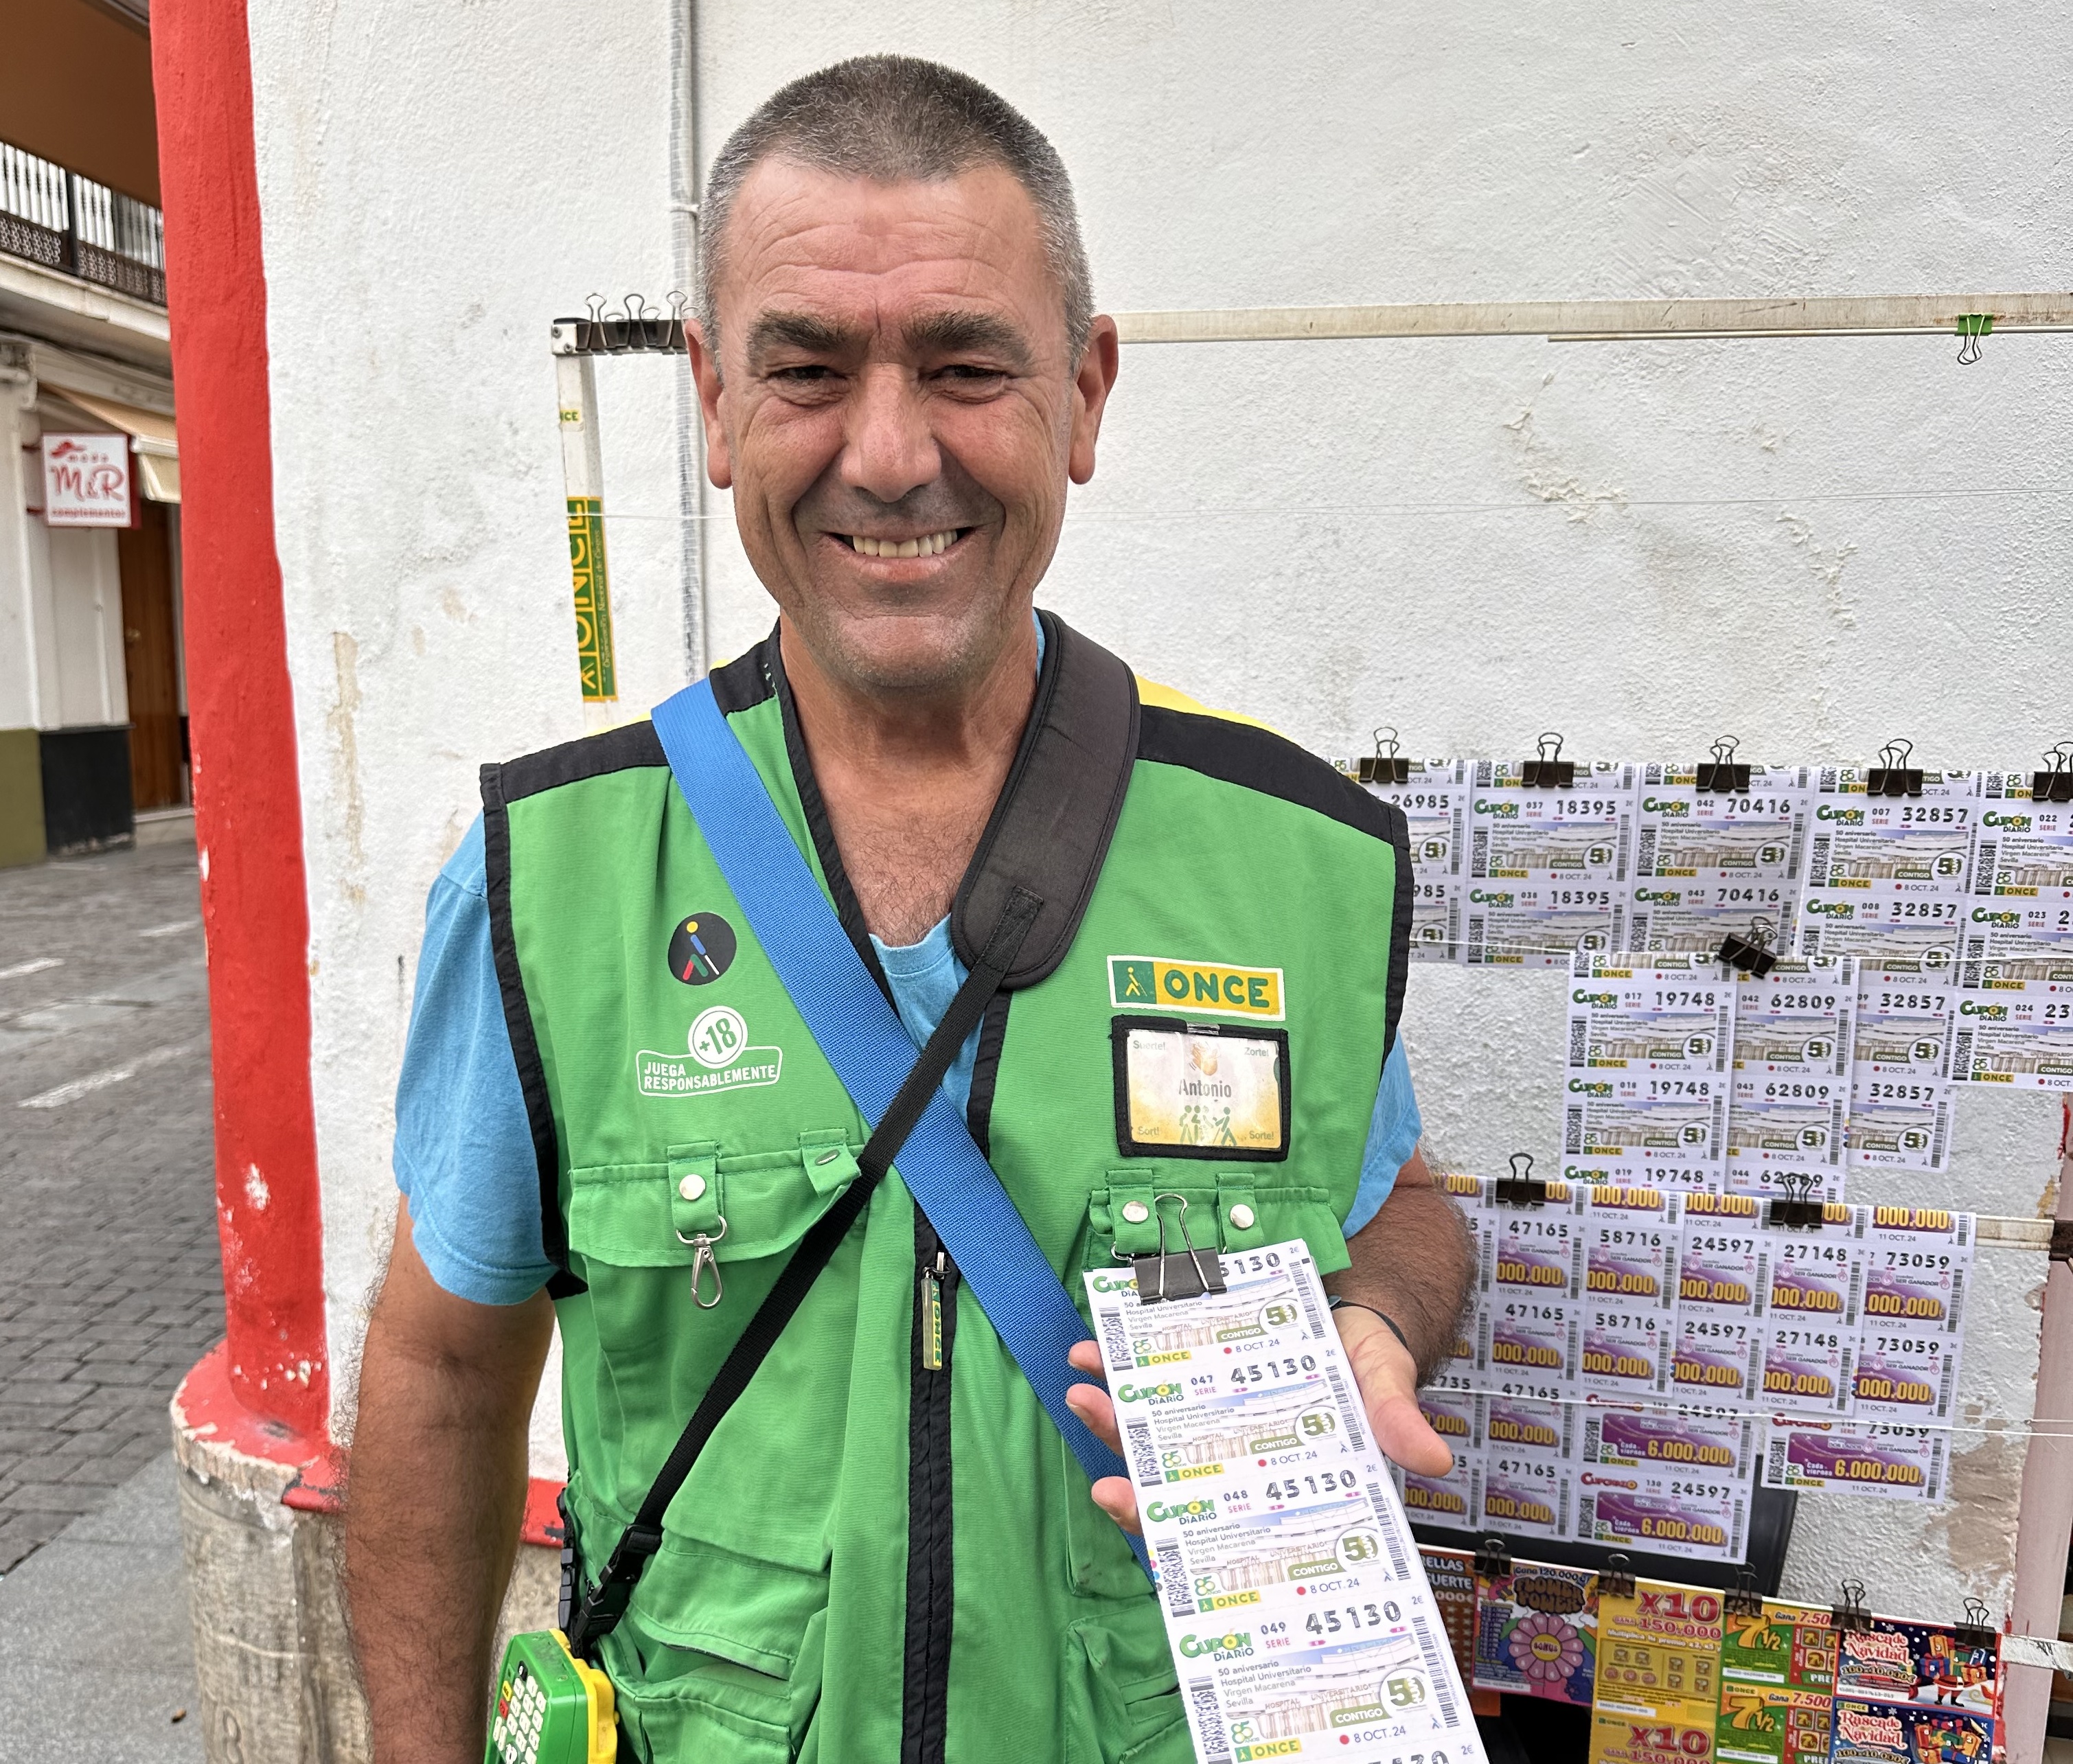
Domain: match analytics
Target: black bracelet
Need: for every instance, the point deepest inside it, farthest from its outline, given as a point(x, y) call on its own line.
point(1340, 1304)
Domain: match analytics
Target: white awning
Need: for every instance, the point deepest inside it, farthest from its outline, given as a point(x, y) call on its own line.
point(152, 439)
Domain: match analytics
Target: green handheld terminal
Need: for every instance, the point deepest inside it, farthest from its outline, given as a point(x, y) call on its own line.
point(551, 1708)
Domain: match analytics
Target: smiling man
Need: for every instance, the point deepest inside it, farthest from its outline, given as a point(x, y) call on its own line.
point(1178, 940)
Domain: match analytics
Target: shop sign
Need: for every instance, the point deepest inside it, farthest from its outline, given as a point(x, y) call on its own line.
point(86, 481)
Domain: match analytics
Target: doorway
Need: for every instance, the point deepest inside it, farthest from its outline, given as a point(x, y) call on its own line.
point(150, 659)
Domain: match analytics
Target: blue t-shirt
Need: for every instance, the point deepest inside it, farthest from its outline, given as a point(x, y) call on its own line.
point(465, 1157)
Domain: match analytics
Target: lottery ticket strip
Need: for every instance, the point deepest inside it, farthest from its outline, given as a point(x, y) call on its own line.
point(1306, 1621)
point(1928, 941)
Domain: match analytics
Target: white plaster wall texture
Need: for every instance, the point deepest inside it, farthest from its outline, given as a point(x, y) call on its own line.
point(1815, 544)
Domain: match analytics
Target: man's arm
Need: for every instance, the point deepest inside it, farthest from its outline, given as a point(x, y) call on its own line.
point(1413, 1261)
point(436, 1491)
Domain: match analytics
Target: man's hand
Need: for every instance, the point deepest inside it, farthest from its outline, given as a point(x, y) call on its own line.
point(1388, 1381)
point(1412, 1261)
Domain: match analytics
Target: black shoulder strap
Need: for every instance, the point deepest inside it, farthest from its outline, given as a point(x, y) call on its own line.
point(1057, 811)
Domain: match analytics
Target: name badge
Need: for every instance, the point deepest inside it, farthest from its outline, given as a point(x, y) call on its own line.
point(1203, 1090)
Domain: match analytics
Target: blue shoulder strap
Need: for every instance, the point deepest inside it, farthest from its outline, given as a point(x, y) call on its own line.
point(863, 1039)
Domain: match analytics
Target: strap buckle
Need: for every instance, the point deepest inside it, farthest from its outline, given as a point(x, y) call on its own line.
point(605, 1603)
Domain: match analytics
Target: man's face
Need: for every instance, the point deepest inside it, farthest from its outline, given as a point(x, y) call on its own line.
point(897, 414)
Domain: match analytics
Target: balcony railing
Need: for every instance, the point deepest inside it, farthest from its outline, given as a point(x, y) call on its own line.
point(57, 218)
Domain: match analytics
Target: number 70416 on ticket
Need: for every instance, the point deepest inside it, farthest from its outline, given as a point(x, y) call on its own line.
point(1294, 1601)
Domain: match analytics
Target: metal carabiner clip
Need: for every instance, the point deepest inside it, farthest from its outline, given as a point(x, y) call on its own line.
point(702, 1257)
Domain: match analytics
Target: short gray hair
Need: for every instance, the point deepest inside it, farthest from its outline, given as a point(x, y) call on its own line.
point(895, 119)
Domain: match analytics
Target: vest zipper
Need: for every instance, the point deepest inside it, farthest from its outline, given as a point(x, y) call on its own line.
point(927, 1675)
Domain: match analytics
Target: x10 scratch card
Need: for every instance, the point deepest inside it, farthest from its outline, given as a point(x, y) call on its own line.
point(1295, 1602)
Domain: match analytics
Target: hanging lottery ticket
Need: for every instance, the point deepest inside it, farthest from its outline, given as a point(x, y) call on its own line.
point(1707, 862)
point(1526, 1495)
point(1528, 1419)
point(1631, 1244)
point(1858, 1457)
point(1666, 1512)
point(2010, 940)
point(1695, 1437)
point(1645, 1097)
point(1434, 797)
point(1921, 934)
point(1903, 1026)
point(1918, 1263)
point(1535, 1250)
point(2025, 847)
point(1723, 1261)
point(1297, 1610)
point(1792, 1064)
point(2020, 1038)
point(1817, 1271)
point(1900, 1123)
point(1918, 844)
point(1529, 1339)
point(1549, 868)
point(1809, 1367)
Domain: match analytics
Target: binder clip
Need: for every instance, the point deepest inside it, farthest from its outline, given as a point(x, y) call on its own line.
point(2055, 786)
point(1892, 775)
point(1493, 1558)
point(1550, 771)
point(1796, 1208)
point(1616, 1578)
point(1742, 1599)
point(1186, 1274)
point(1380, 767)
point(1724, 772)
point(1977, 1631)
point(1850, 1613)
point(1521, 1188)
point(1752, 953)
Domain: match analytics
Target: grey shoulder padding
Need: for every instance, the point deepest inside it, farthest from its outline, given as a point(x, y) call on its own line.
point(1050, 828)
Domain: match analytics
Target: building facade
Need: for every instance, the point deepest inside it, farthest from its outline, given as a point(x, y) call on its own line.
point(92, 710)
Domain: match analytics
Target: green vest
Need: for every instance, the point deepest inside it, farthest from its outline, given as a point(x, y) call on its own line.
point(887, 1554)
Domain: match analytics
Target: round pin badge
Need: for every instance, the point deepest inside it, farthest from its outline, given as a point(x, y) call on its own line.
point(701, 948)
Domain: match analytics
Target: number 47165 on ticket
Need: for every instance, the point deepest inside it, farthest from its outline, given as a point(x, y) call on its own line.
point(1295, 1603)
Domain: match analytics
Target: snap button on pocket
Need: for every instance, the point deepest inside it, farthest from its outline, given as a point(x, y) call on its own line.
point(1242, 1217)
point(1136, 1212)
point(692, 1188)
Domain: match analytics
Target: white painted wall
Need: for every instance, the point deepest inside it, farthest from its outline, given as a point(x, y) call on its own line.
point(1815, 544)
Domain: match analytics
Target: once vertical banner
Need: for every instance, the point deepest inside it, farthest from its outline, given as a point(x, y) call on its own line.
point(593, 595)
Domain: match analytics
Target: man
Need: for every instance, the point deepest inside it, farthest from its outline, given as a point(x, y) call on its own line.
point(885, 1553)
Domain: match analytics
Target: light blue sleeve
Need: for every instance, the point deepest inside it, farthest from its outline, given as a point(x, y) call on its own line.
point(1392, 1136)
point(464, 1155)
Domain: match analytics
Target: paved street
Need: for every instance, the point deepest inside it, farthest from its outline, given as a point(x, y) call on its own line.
point(110, 1285)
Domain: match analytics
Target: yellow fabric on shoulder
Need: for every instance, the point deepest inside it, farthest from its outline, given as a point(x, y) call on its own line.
point(1152, 692)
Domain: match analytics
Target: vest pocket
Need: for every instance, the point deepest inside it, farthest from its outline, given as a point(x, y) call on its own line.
point(1122, 1701)
point(743, 1206)
point(1239, 1209)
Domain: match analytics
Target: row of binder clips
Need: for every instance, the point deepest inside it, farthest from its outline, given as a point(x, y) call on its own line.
point(1849, 1614)
point(1797, 1207)
point(637, 328)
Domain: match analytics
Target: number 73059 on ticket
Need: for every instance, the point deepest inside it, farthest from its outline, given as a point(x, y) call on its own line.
point(1295, 1600)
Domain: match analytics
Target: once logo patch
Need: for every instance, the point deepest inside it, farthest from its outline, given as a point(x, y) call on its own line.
point(1158, 983)
point(701, 949)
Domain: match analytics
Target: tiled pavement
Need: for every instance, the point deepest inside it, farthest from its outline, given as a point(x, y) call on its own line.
point(110, 1283)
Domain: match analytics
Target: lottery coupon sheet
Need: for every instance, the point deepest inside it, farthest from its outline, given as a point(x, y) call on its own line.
point(1900, 1095)
point(1858, 1457)
point(1549, 870)
point(1707, 862)
point(1918, 1263)
point(2005, 942)
point(1793, 1050)
point(2018, 1037)
point(1645, 1098)
point(1434, 797)
point(1884, 844)
point(1295, 1603)
point(2026, 847)
point(1795, 1021)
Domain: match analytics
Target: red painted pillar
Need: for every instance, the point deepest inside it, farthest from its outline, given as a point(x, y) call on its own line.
point(248, 805)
